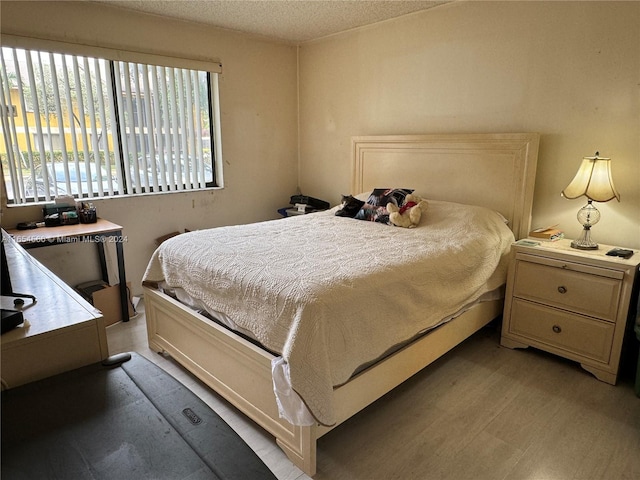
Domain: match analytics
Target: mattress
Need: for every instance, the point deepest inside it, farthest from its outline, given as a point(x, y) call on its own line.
point(329, 294)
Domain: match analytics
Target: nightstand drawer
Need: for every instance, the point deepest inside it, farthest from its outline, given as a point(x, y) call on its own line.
point(574, 334)
point(565, 287)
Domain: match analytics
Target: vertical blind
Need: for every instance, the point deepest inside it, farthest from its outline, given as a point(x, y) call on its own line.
point(93, 127)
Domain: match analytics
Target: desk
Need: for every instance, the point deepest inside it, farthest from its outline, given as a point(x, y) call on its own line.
point(99, 233)
point(62, 331)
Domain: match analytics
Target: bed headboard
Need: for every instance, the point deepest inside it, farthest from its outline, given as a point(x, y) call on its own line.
point(497, 171)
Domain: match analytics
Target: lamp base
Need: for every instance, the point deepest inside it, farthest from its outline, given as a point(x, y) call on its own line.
point(585, 242)
point(592, 246)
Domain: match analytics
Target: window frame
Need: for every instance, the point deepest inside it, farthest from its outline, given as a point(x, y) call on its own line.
point(212, 67)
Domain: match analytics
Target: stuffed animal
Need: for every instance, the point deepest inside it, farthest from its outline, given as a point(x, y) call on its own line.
point(409, 214)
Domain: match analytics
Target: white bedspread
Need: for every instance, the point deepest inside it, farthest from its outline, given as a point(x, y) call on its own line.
point(332, 293)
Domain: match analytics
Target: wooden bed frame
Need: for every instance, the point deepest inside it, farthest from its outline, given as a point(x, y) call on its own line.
point(493, 170)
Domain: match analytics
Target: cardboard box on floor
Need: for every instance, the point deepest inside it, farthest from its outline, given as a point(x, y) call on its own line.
point(106, 298)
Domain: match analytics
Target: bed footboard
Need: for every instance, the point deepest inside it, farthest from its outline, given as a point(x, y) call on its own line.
point(233, 367)
point(241, 372)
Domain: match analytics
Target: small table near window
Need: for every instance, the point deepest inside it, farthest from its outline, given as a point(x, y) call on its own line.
point(100, 232)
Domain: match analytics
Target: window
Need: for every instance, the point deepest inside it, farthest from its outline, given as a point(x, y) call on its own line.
point(93, 127)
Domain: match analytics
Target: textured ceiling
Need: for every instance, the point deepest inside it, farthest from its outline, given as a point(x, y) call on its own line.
point(292, 21)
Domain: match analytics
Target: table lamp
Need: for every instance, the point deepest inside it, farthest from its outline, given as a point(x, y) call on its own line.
point(594, 181)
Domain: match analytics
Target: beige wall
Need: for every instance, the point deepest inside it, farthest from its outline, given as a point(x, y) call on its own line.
point(258, 120)
point(568, 70)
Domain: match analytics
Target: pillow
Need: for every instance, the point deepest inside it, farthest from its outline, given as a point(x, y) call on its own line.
point(381, 196)
point(373, 213)
point(375, 210)
point(350, 206)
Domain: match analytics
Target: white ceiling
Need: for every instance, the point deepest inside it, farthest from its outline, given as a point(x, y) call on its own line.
point(291, 21)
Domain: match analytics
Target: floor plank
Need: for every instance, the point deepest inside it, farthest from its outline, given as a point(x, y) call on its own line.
point(480, 412)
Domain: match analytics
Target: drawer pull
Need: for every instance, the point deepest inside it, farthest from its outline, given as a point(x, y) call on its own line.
point(556, 328)
point(562, 289)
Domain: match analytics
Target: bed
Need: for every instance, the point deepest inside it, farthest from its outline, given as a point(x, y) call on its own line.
point(493, 173)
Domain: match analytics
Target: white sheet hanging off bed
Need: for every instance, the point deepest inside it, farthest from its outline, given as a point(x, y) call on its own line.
point(331, 293)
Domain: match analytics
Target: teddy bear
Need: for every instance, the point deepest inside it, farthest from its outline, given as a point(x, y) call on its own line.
point(409, 214)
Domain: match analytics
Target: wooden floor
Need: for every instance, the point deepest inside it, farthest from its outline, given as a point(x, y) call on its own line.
point(481, 412)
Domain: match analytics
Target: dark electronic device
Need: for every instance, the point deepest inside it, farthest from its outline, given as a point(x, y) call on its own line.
point(620, 252)
point(5, 284)
point(10, 318)
point(312, 202)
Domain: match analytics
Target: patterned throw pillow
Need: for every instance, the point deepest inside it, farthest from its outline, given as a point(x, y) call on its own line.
point(375, 210)
point(373, 214)
point(381, 196)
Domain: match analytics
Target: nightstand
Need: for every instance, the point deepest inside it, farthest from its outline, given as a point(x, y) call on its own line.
point(573, 303)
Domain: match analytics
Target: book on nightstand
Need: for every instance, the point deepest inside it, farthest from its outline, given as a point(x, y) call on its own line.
point(547, 233)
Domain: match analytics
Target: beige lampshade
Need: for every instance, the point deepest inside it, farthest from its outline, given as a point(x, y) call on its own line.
point(593, 180)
